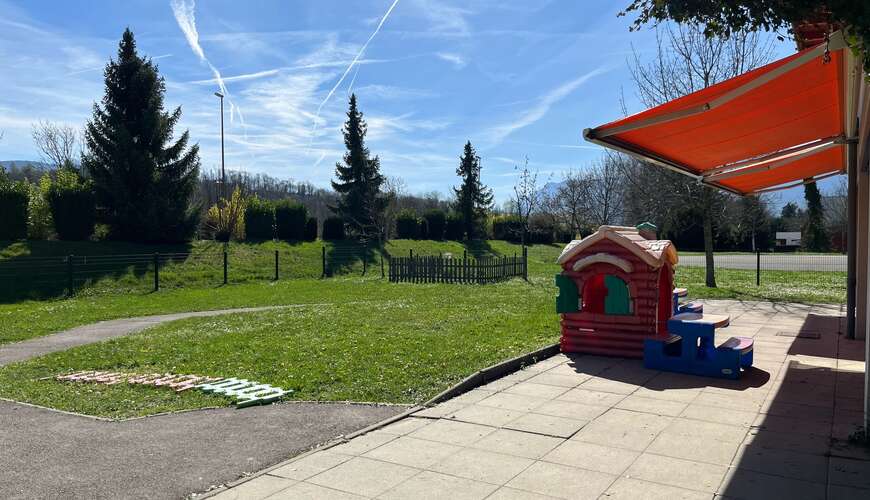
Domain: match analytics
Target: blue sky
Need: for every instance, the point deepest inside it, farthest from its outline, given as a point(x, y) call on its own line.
point(516, 78)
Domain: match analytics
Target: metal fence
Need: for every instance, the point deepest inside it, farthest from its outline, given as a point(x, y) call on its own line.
point(807, 270)
point(44, 277)
point(447, 269)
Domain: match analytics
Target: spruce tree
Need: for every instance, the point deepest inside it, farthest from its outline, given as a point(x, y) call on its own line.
point(814, 236)
point(358, 180)
point(473, 199)
point(143, 182)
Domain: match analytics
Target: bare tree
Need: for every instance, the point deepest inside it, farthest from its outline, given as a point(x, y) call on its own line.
point(568, 203)
point(527, 195)
point(604, 188)
point(686, 61)
point(58, 144)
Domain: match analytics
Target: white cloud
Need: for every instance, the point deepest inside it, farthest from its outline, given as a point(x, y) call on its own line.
point(455, 59)
point(542, 107)
point(443, 18)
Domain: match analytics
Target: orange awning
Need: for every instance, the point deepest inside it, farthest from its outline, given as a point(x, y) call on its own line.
point(768, 128)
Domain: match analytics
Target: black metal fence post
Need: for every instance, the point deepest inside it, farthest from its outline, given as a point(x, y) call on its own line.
point(69, 275)
point(758, 267)
point(225, 267)
point(323, 261)
point(365, 258)
point(156, 271)
point(382, 265)
point(526, 263)
point(276, 265)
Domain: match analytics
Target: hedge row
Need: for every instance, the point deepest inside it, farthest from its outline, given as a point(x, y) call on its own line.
point(14, 197)
point(283, 219)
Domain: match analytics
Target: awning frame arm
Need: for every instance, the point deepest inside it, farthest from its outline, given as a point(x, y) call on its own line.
point(767, 166)
point(836, 42)
point(796, 184)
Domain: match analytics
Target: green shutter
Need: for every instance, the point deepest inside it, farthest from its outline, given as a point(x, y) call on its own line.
point(569, 299)
point(618, 300)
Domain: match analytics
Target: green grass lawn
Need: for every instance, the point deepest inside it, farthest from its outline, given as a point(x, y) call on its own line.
point(346, 338)
point(359, 340)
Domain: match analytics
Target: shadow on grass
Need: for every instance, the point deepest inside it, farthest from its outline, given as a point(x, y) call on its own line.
point(44, 269)
point(350, 256)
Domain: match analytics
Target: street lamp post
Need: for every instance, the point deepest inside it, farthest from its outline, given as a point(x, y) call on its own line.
point(223, 171)
point(223, 195)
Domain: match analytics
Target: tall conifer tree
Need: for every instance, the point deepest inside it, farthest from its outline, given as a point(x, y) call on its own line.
point(814, 236)
point(473, 199)
point(358, 179)
point(144, 183)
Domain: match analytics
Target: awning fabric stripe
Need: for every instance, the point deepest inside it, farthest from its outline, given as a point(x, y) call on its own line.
point(797, 100)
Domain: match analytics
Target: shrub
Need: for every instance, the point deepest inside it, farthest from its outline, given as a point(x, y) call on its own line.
point(226, 219)
point(259, 219)
point(507, 227)
point(73, 206)
point(311, 229)
point(39, 222)
point(290, 220)
point(407, 225)
point(333, 228)
point(454, 229)
point(436, 220)
point(14, 198)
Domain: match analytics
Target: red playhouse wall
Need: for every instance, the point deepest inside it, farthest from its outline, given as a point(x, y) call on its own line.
point(592, 332)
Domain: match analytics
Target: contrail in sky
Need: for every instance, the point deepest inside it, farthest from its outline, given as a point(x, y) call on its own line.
point(349, 67)
point(184, 15)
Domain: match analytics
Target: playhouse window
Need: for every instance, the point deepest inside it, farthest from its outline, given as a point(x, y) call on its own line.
point(606, 294)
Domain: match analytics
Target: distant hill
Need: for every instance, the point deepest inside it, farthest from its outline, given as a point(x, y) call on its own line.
point(25, 169)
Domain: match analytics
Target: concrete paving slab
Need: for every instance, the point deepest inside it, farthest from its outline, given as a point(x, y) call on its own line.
point(258, 488)
point(677, 472)
point(846, 472)
point(452, 432)
point(547, 424)
point(569, 409)
point(310, 465)
point(803, 466)
point(488, 415)
point(412, 452)
point(429, 485)
point(481, 465)
point(592, 457)
point(590, 397)
point(623, 429)
point(650, 405)
point(562, 481)
point(364, 476)
point(308, 491)
point(626, 488)
point(699, 449)
point(751, 485)
point(520, 444)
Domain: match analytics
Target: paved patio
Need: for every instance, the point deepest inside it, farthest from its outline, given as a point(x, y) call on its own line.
point(594, 427)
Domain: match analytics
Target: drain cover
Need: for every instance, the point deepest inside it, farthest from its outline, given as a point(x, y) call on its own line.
point(800, 335)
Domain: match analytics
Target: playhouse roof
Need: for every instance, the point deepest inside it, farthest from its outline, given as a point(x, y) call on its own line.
point(653, 252)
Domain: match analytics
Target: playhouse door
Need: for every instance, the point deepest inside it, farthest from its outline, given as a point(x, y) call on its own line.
point(666, 299)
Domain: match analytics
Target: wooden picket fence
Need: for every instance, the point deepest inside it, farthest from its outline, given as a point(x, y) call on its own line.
point(440, 269)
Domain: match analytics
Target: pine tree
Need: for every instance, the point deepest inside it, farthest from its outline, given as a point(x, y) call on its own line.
point(473, 199)
point(358, 180)
point(143, 183)
point(814, 236)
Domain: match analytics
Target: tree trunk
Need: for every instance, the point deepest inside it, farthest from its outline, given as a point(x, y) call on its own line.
point(708, 249)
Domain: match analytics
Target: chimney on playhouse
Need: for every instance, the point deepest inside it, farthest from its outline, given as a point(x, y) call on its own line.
point(648, 230)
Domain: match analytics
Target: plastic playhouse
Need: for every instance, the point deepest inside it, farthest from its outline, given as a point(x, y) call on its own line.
point(617, 298)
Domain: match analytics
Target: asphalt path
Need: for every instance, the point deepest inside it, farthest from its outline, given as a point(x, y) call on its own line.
point(50, 454)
